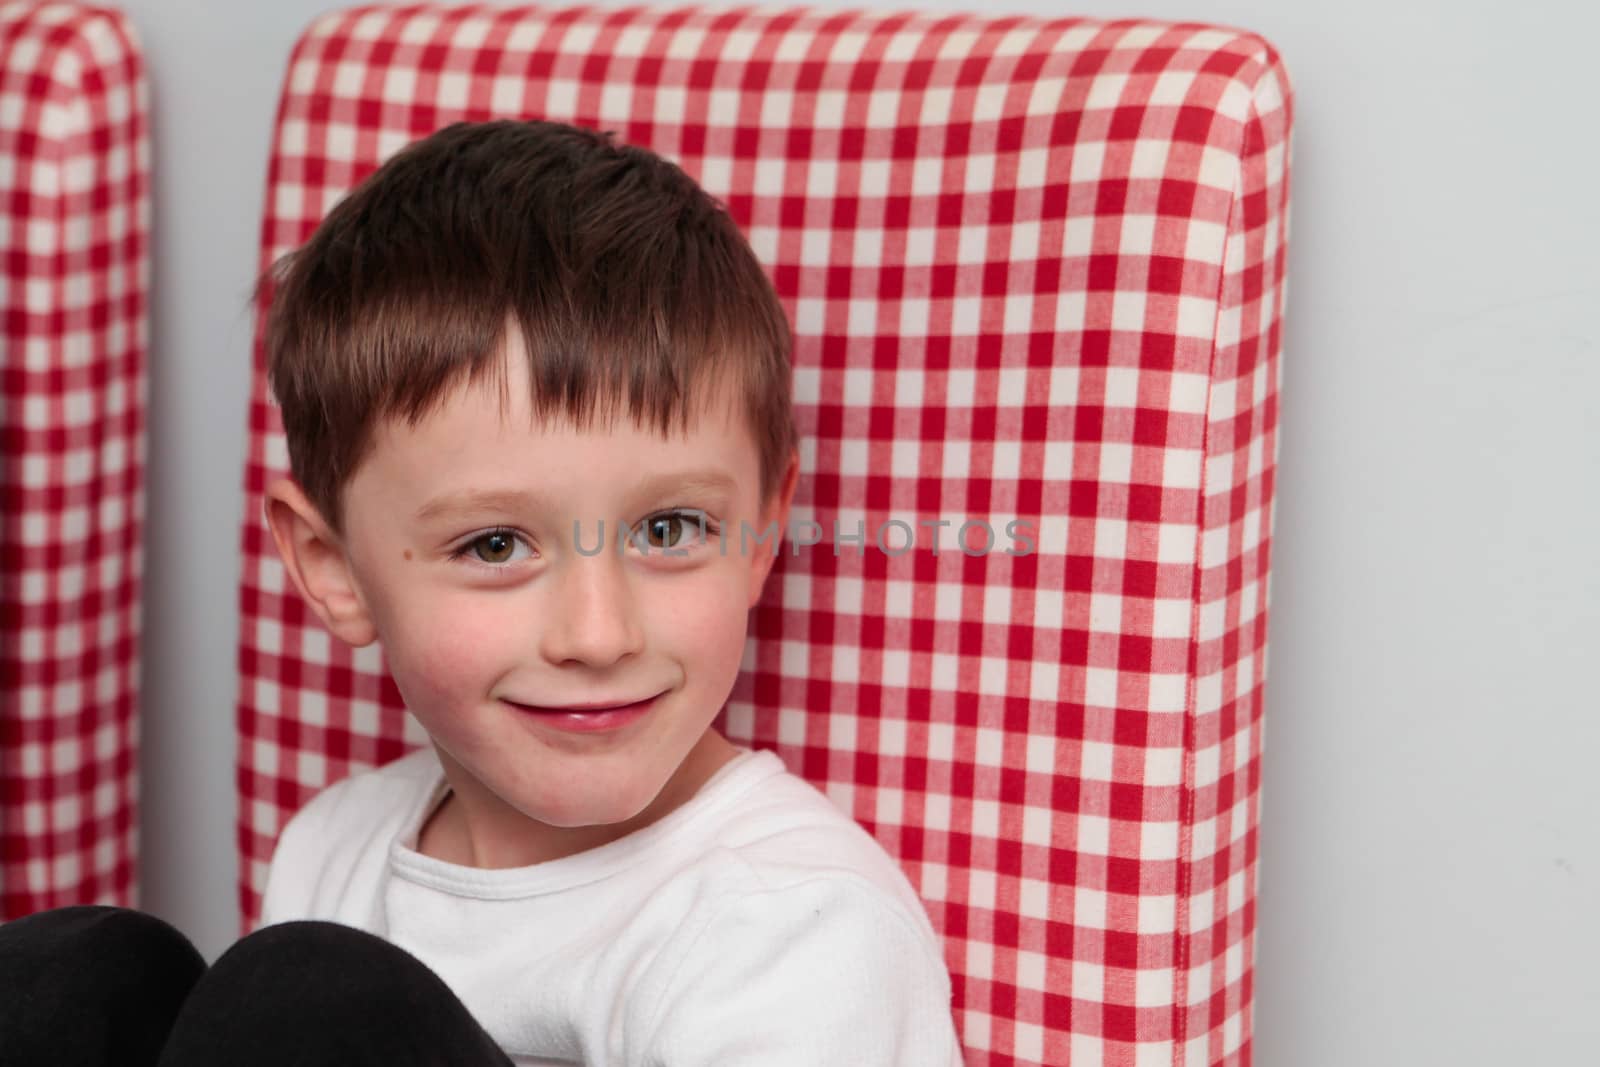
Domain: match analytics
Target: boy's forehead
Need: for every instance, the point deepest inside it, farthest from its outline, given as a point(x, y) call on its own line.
point(480, 438)
point(479, 409)
point(488, 433)
point(503, 397)
point(466, 498)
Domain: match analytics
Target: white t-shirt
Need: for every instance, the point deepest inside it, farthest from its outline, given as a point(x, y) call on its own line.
point(754, 925)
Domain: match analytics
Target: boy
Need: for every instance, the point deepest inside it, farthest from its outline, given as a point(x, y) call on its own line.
point(536, 394)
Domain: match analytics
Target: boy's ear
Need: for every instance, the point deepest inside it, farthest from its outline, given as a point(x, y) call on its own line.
point(316, 563)
point(776, 510)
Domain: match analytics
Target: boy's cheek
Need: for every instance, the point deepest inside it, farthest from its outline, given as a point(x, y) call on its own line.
point(442, 652)
point(451, 649)
point(712, 624)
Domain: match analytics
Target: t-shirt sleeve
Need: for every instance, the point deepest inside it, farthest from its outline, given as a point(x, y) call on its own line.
point(285, 896)
point(826, 972)
point(330, 858)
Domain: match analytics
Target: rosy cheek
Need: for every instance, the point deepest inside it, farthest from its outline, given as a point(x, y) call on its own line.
point(712, 622)
point(443, 655)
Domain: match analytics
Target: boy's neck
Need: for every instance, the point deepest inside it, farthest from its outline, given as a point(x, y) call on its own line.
point(472, 827)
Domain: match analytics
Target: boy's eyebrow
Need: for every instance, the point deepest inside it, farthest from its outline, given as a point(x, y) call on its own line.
point(690, 482)
point(469, 500)
point(472, 500)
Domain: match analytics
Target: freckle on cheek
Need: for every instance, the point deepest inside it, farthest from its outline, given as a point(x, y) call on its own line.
point(408, 553)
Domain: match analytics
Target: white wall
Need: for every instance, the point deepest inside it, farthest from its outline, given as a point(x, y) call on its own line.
point(1431, 854)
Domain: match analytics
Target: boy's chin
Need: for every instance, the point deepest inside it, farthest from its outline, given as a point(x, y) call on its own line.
point(612, 811)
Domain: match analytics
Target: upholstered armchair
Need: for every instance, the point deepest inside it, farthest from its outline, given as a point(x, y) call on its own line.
point(1035, 270)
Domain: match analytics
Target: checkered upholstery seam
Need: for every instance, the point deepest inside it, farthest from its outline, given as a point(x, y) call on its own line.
point(74, 241)
point(1035, 269)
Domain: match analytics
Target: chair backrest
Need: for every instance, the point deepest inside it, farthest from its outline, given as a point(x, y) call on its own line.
point(74, 270)
point(1035, 270)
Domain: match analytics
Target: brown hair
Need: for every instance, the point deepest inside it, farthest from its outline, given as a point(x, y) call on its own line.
point(632, 288)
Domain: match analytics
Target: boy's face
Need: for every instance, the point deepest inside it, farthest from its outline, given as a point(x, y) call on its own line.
point(461, 557)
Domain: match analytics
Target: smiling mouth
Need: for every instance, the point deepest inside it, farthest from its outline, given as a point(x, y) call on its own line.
point(590, 708)
point(596, 717)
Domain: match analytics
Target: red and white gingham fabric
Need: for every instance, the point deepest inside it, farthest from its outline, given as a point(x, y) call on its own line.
point(74, 274)
point(1036, 274)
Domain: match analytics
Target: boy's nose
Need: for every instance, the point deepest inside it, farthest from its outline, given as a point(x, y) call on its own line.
point(593, 619)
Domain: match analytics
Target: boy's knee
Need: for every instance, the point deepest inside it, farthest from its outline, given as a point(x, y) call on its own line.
point(79, 982)
point(320, 963)
point(315, 948)
point(103, 944)
point(308, 992)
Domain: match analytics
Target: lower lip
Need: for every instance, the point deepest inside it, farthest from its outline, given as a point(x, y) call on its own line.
point(588, 722)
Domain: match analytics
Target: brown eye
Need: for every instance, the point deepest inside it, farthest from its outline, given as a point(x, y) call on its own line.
point(665, 531)
point(495, 547)
point(679, 529)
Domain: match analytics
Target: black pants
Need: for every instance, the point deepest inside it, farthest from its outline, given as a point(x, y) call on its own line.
point(91, 986)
